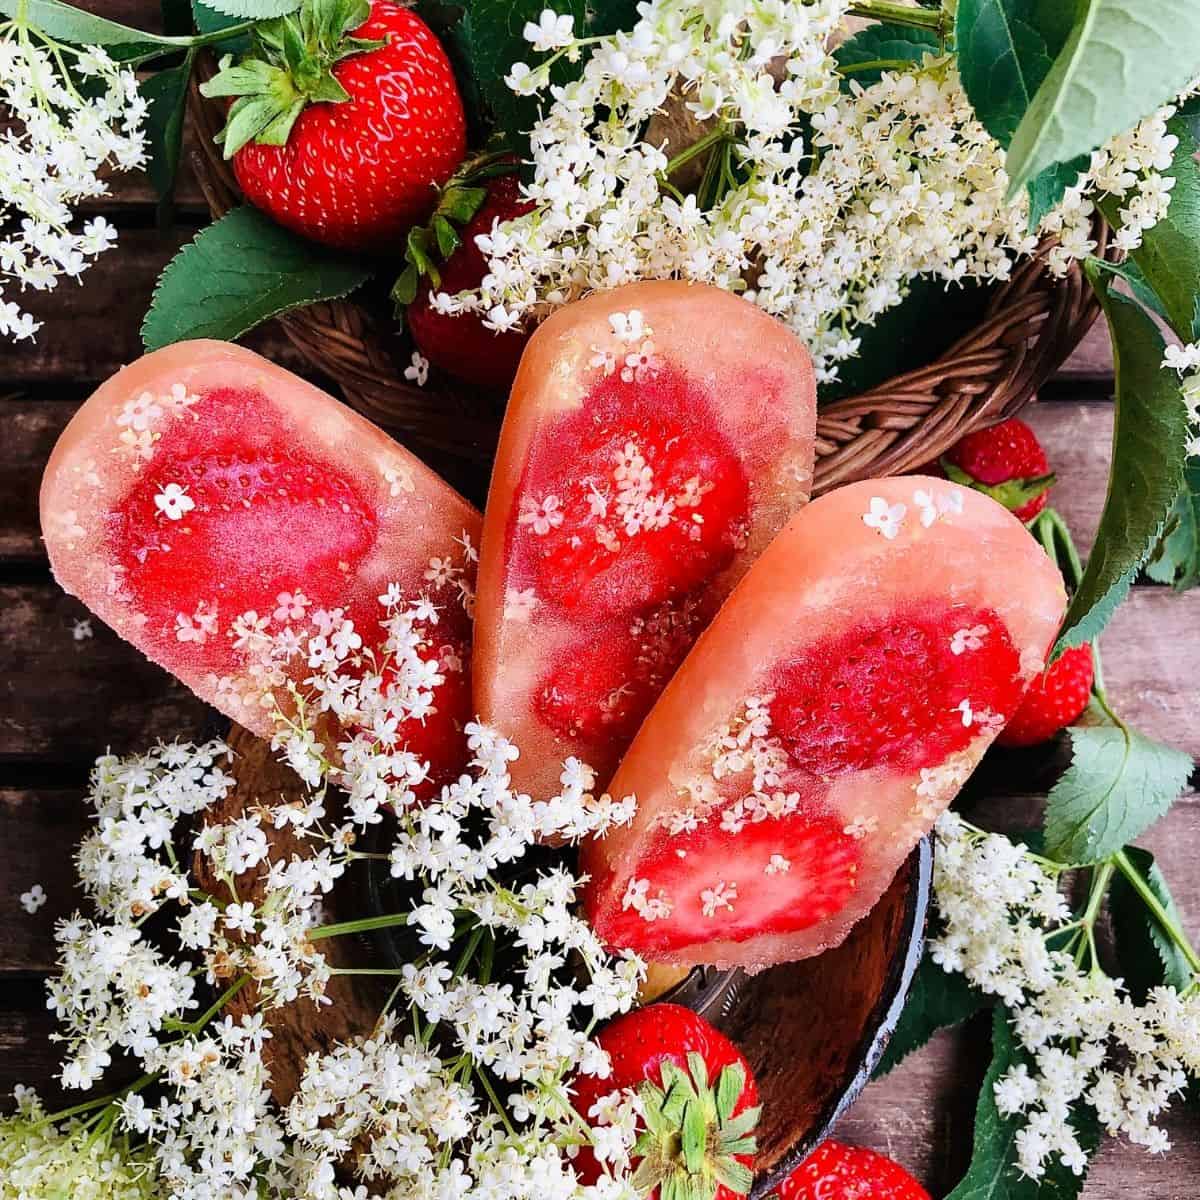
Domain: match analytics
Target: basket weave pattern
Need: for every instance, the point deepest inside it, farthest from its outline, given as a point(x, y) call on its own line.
point(1032, 324)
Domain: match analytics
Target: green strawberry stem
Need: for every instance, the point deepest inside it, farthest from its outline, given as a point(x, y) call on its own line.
point(1013, 493)
point(1134, 878)
point(291, 67)
point(692, 1140)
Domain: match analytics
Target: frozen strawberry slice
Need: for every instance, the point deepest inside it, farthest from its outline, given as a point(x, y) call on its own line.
point(831, 711)
point(653, 501)
point(206, 504)
point(656, 439)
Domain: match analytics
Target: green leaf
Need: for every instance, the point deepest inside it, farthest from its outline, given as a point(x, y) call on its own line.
point(882, 42)
point(1169, 256)
point(166, 93)
point(1137, 283)
point(1123, 59)
point(1005, 51)
point(208, 20)
point(993, 1173)
point(254, 9)
point(936, 1000)
point(484, 38)
point(1048, 187)
point(65, 23)
point(1118, 784)
point(240, 272)
point(1176, 558)
point(1148, 956)
point(1149, 450)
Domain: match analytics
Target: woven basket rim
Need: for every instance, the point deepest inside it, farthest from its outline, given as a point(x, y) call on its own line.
point(1032, 323)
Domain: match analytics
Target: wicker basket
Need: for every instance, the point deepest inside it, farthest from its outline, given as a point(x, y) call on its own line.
point(1031, 325)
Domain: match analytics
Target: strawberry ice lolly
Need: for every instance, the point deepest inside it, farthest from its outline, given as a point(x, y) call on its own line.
point(828, 715)
point(657, 437)
point(204, 503)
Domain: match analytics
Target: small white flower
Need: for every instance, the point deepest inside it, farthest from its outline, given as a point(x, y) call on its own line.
point(81, 629)
point(886, 518)
point(777, 865)
point(417, 370)
point(173, 502)
point(717, 898)
point(33, 899)
point(550, 32)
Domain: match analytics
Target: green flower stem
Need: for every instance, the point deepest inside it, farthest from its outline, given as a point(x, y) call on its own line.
point(364, 925)
point(502, 1112)
point(218, 1004)
point(65, 1114)
point(900, 14)
point(1121, 862)
point(698, 147)
point(390, 971)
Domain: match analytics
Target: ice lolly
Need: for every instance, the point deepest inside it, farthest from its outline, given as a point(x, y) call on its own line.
point(657, 437)
point(204, 502)
point(820, 725)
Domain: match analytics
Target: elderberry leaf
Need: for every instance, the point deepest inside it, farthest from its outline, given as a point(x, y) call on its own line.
point(1122, 60)
point(1150, 433)
point(882, 42)
point(936, 1000)
point(1147, 954)
point(1176, 558)
point(1118, 784)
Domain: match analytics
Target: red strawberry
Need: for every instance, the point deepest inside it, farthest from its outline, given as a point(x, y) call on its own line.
point(461, 345)
point(1053, 701)
point(1006, 462)
point(688, 1075)
point(347, 119)
point(834, 1171)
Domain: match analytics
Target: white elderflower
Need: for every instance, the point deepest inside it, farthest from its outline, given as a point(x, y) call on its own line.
point(62, 140)
point(1086, 1040)
point(33, 899)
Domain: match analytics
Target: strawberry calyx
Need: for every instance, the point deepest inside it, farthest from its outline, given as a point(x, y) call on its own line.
point(1014, 494)
point(693, 1143)
point(290, 68)
point(459, 200)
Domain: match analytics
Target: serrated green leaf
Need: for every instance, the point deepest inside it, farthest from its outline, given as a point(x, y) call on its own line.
point(1176, 558)
point(1122, 60)
point(1169, 256)
point(1148, 957)
point(166, 94)
point(484, 38)
point(936, 1000)
point(882, 42)
point(1137, 283)
point(254, 10)
point(993, 1173)
point(1005, 51)
point(208, 20)
point(239, 272)
point(1149, 450)
point(1118, 784)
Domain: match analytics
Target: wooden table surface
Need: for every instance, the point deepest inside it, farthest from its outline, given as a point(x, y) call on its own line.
point(64, 701)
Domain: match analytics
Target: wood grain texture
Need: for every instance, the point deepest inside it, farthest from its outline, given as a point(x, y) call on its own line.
point(65, 701)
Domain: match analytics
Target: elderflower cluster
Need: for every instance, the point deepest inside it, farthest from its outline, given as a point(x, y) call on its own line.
point(1007, 927)
point(1186, 361)
point(63, 134)
point(460, 1091)
point(823, 199)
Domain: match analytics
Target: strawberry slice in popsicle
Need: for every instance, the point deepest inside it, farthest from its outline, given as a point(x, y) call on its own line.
point(656, 439)
point(205, 503)
point(829, 713)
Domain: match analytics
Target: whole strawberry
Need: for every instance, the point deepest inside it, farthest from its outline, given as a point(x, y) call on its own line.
point(347, 119)
point(1006, 462)
point(690, 1077)
point(1053, 701)
point(460, 344)
point(838, 1172)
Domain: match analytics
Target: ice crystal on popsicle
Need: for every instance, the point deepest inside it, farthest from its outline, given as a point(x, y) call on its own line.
point(830, 712)
point(657, 437)
point(216, 510)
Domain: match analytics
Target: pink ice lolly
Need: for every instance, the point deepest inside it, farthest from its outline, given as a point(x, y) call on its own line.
point(203, 497)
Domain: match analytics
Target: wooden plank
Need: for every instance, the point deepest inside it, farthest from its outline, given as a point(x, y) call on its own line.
point(1091, 362)
point(91, 327)
point(65, 701)
point(39, 830)
point(31, 429)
